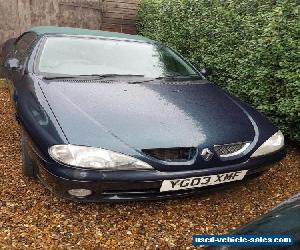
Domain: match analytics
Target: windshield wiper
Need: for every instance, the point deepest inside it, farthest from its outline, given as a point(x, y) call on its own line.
point(59, 77)
point(113, 75)
point(174, 76)
point(98, 76)
point(167, 77)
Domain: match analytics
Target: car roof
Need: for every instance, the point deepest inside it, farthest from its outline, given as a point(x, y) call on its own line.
point(46, 30)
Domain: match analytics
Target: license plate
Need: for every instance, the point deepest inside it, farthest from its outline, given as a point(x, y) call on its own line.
point(202, 181)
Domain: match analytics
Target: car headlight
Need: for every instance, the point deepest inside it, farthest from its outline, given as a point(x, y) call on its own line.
point(274, 143)
point(95, 158)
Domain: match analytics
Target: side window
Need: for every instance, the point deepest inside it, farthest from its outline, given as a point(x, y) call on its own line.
point(8, 47)
point(22, 46)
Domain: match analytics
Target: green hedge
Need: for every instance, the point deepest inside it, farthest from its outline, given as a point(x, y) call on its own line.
point(250, 47)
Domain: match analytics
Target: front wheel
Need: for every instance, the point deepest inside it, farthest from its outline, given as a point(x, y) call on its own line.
point(27, 163)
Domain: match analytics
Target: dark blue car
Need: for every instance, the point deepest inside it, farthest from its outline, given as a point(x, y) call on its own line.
point(280, 220)
point(109, 116)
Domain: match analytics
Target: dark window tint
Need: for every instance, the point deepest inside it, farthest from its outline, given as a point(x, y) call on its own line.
point(7, 48)
point(23, 44)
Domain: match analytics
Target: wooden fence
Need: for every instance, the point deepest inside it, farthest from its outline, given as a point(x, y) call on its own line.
point(17, 16)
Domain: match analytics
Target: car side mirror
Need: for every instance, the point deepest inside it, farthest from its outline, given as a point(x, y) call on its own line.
point(204, 72)
point(12, 64)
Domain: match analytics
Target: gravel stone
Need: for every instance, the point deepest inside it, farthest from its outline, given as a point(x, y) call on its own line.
point(33, 218)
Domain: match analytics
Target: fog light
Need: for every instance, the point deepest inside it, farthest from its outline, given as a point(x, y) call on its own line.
point(80, 193)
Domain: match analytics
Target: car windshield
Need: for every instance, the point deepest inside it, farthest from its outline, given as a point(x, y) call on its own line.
point(91, 56)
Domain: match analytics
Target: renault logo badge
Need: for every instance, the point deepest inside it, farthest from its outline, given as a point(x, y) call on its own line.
point(207, 154)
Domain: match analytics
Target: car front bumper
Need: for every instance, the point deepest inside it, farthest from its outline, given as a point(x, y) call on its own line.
point(135, 185)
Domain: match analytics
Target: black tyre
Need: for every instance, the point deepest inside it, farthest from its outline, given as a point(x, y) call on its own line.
point(27, 164)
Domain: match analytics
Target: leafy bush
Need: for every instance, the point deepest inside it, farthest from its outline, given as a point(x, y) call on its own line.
point(250, 47)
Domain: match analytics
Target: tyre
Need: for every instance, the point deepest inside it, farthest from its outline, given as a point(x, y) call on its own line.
point(27, 164)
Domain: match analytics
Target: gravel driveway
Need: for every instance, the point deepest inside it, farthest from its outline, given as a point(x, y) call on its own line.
point(32, 217)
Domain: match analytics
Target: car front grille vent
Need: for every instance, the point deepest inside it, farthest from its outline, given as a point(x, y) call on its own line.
point(171, 154)
point(232, 149)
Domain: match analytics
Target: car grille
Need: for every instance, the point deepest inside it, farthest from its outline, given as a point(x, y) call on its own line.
point(171, 154)
point(228, 150)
